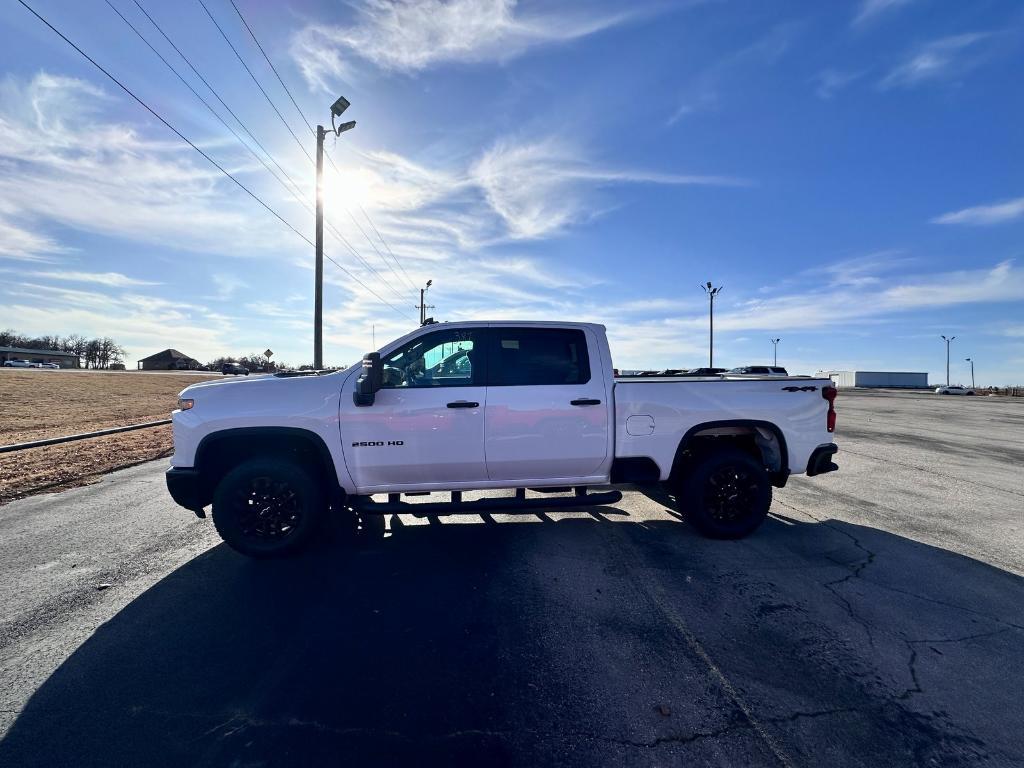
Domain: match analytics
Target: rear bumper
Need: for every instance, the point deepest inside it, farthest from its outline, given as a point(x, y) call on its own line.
point(821, 460)
point(186, 488)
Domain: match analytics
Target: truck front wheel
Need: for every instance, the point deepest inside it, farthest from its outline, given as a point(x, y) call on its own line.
point(267, 508)
point(724, 494)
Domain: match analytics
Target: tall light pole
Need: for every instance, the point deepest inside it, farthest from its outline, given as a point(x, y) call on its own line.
point(775, 346)
point(971, 361)
point(318, 291)
point(711, 292)
point(422, 306)
point(948, 342)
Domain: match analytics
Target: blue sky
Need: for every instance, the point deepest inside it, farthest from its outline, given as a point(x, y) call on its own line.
point(852, 173)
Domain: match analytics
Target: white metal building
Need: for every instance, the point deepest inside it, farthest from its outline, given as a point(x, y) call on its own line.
point(894, 379)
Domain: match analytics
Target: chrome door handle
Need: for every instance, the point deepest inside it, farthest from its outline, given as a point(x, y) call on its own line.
point(585, 401)
point(463, 404)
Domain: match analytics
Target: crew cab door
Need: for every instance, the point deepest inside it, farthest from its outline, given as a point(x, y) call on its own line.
point(426, 425)
point(547, 408)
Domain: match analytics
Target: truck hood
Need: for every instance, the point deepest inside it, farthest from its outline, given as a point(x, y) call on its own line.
point(263, 388)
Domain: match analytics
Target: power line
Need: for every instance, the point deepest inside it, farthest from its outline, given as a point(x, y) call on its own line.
point(273, 68)
point(198, 96)
point(334, 231)
point(388, 247)
point(213, 90)
point(294, 190)
point(185, 139)
point(258, 85)
point(309, 125)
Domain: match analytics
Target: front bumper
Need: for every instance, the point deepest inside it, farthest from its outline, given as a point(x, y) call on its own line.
point(821, 460)
point(186, 488)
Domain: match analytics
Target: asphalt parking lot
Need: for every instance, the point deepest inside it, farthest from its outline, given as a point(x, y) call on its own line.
point(876, 619)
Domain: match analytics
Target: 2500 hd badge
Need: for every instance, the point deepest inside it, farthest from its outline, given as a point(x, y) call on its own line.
point(375, 443)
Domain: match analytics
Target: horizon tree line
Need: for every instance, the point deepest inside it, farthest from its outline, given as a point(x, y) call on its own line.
point(97, 352)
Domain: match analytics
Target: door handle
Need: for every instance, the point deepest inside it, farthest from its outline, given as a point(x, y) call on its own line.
point(463, 404)
point(585, 401)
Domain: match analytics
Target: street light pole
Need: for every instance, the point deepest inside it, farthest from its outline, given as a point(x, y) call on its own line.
point(775, 345)
point(711, 292)
point(971, 361)
point(423, 307)
point(318, 292)
point(948, 342)
point(337, 108)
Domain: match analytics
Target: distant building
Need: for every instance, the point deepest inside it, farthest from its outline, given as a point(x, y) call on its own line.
point(868, 379)
point(63, 359)
point(169, 360)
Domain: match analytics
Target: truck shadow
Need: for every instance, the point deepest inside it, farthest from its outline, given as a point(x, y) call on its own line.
point(443, 644)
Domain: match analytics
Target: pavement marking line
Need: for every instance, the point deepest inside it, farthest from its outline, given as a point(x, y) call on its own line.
point(658, 597)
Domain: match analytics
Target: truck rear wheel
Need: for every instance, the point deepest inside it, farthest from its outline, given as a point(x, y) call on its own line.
point(725, 494)
point(267, 508)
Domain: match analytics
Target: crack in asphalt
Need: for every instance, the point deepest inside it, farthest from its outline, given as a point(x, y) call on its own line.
point(855, 571)
point(656, 597)
point(859, 568)
point(912, 661)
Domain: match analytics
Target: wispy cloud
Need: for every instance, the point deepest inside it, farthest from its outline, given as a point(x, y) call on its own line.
point(111, 279)
point(870, 10)
point(539, 188)
point(412, 35)
point(994, 213)
point(831, 81)
point(20, 244)
point(937, 60)
point(105, 177)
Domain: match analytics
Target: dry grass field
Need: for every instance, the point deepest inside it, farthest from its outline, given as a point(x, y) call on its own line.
point(36, 404)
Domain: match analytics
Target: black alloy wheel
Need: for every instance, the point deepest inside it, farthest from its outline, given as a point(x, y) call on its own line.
point(724, 494)
point(268, 508)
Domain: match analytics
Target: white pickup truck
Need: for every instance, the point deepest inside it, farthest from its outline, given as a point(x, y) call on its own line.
point(489, 405)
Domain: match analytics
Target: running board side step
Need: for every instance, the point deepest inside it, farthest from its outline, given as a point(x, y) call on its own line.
point(517, 503)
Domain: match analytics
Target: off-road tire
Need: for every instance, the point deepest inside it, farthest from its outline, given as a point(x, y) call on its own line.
point(266, 508)
point(724, 494)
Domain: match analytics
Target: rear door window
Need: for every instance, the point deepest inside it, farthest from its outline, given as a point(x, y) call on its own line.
point(537, 356)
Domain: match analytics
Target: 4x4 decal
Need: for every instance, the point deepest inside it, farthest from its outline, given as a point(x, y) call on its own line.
point(800, 389)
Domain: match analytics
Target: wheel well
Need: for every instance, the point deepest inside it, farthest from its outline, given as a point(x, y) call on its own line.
point(220, 452)
point(762, 440)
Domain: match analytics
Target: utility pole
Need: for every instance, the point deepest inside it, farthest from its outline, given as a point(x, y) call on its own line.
point(318, 290)
point(711, 292)
point(948, 342)
point(423, 306)
point(971, 361)
point(775, 345)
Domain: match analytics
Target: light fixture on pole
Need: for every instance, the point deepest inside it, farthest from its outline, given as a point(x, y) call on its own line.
point(971, 361)
point(337, 108)
point(775, 347)
point(711, 292)
point(948, 342)
point(423, 306)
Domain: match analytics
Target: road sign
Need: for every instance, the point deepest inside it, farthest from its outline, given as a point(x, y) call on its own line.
point(268, 353)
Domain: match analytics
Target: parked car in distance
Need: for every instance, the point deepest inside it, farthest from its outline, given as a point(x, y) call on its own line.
point(50, 365)
point(757, 370)
point(954, 390)
point(20, 364)
point(704, 372)
point(234, 369)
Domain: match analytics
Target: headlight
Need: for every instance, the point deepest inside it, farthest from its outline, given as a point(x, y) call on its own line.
point(185, 403)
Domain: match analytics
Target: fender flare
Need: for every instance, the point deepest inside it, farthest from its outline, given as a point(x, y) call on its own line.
point(779, 476)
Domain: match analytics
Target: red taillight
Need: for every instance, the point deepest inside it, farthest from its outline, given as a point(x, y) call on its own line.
point(829, 393)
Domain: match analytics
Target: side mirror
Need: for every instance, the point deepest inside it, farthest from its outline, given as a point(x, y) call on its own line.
point(369, 380)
